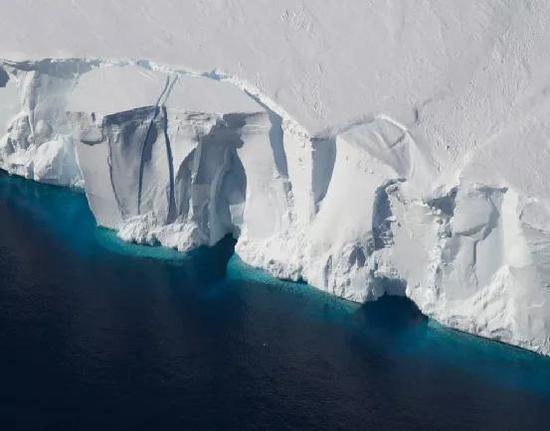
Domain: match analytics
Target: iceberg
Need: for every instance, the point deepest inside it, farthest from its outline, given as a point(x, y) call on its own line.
point(419, 170)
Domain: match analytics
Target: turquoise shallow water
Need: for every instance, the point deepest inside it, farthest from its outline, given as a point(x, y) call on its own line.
point(99, 334)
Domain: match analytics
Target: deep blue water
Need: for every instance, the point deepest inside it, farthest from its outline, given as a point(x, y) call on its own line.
point(100, 335)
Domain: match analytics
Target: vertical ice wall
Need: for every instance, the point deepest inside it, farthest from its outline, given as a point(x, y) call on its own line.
point(173, 158)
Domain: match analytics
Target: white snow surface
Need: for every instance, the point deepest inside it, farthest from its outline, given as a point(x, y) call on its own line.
point(366, 147)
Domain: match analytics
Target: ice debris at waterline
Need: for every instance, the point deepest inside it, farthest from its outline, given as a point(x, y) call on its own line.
point(448, 206)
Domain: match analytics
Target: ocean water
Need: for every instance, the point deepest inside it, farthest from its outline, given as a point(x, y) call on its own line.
point(96, 334)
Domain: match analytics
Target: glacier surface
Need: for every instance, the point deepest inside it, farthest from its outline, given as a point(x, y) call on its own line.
point(385, 148)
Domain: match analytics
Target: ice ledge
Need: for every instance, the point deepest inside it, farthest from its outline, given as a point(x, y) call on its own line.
point(181, 158)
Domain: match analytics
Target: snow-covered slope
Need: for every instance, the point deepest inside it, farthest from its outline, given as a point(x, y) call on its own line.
point(382, 147)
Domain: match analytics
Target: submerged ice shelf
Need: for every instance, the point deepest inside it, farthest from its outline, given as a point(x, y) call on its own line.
point(178, 158)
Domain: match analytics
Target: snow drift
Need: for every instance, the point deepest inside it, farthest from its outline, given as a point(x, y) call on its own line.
point(437, 190)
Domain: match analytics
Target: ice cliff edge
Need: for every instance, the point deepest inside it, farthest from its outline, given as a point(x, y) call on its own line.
point(173, 157)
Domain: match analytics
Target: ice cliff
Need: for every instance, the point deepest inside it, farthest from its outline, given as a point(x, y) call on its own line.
point(435, 186)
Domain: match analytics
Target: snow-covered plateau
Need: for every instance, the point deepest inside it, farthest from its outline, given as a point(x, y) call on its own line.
point(366, 147)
